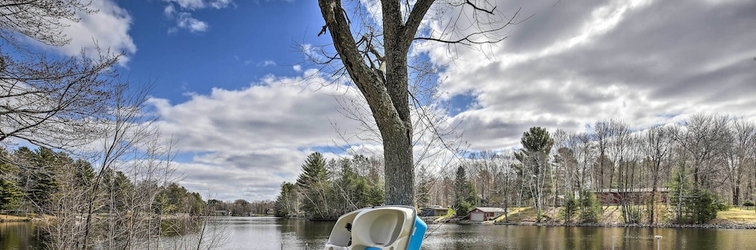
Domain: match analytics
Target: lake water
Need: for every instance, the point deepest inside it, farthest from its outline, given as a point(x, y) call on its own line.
point(273, 233)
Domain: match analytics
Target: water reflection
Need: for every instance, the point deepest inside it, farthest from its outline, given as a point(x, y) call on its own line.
point(275, 233)
point(455, 237)
point(18, 236)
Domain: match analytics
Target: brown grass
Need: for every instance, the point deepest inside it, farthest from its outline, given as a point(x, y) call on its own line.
point(13, 218)
point(736, 216)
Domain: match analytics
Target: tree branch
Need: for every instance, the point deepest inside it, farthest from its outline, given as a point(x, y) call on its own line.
point(415, 18)
point(469, 39)
point(475, 7)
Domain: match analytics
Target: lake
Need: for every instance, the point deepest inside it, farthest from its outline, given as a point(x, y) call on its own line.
point(274, 233)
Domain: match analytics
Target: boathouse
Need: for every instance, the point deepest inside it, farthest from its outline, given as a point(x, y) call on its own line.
point(434, 210)
point(486, 213)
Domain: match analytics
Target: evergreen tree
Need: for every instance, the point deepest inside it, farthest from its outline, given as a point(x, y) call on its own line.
point(590, 207)
point(313, 171)
point(10, 193)
point(534, 156)
point(702, 206)
point(37, 176)
point(465, 196)
point(84, 173)
point(285, 205)
point(423, 187)
point(315, 189)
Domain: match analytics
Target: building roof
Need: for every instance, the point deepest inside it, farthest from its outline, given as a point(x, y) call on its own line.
point(434, 207)
point(490, 209)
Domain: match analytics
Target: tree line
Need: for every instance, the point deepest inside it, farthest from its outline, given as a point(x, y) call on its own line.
point(239, 207)
point(35, 182)
point(700, 165)
point(326, 189)
point(675, 173)
point(99, 169)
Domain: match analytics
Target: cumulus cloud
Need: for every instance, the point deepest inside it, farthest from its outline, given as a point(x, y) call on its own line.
point(107, 29)
point(573, 64)
point(184, 20)
point(200, 4)
point(254, 138)
point(183, 14)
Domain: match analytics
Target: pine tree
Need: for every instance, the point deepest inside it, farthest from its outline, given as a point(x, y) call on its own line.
point(285, 204)
point(465, 196)
point(315, 189)
point(534, 156)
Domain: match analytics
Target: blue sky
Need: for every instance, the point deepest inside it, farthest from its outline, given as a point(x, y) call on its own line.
point(242, 43)
point(246, 106)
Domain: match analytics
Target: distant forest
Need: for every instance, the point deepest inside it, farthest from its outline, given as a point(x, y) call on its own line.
point(38, 181)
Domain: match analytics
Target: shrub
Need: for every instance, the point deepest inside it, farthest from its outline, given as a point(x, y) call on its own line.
point(569, 209)
point(590, 208)
point(702, 206)
point(633, 214)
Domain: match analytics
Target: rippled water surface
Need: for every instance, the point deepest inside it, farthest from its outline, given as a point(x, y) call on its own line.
point(274, 233)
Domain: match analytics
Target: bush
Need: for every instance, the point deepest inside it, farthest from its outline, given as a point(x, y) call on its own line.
point(721, 205)
point(748, 203)
point(590, 208)
point(634, 215)
point(569, 209)
point(702, 206)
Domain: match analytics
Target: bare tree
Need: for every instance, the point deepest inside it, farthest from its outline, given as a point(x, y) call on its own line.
point(49, 102)
point(585, 155)
point(742, 136)
point(704, 138)
point(601, 133)
point(657, 148)
point(377, 62)
point(43, 21)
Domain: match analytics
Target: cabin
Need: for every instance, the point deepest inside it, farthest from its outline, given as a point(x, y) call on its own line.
point(485, 213)
point(434, 210)
point(615, 196)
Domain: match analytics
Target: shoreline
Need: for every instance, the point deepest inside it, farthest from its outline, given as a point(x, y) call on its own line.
point(612, 225)
point(7, 218)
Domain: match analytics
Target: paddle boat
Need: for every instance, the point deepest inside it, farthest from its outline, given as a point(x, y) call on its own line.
point(378, 228)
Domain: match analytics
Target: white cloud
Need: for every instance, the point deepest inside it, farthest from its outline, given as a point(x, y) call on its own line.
point(645, 62)
point(201, 4)
point(108, 28)
point(184, 20)
point(189, 4)
point(254, 138)
point(578, 63)
point(169, 11)
point(220, 4)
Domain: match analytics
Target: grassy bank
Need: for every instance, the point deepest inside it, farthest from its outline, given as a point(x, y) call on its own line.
point(612, 216)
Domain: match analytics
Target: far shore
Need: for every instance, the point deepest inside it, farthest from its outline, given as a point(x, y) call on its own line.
point(663, 225)
point(733, 218)
point(13, 218)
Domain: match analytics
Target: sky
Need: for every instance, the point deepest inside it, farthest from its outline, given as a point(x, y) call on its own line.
point(234, 86)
